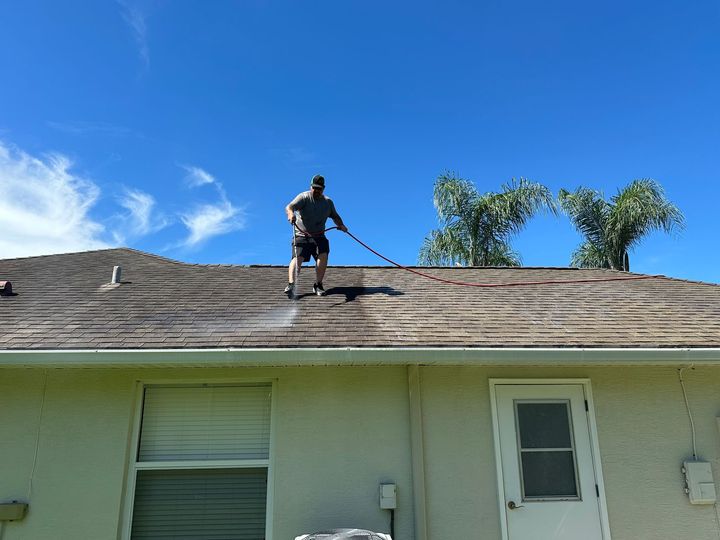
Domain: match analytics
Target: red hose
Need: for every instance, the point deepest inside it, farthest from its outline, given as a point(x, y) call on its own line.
point(469, 284)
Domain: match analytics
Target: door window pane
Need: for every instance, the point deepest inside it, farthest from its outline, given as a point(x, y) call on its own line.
point(549, 474)
point(544, 425)
point(546, 447)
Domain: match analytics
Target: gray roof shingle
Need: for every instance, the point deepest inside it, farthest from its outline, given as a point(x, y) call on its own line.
point(65, 302)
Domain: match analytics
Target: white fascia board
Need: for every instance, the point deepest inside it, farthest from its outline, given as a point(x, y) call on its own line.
point(348, 356)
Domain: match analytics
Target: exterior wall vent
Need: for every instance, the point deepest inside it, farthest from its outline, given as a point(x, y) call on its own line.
point(116, 275)
point(5, 288)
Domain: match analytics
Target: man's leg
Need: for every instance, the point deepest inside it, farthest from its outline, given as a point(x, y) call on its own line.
point(297, 261)
point(320, 266)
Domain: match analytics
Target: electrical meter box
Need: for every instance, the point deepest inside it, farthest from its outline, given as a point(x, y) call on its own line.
point(388, 496)
point(12, 511)
point(700, 485)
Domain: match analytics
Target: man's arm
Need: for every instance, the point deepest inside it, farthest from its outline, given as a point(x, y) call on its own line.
point(337, 219)
point(340, 225)
point(290, 213)
point(296, 204)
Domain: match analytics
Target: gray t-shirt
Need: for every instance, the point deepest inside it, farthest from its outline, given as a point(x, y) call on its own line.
point(312, 213)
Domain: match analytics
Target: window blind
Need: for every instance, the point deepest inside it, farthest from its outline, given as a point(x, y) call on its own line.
point(205, 423)
point(207, 504)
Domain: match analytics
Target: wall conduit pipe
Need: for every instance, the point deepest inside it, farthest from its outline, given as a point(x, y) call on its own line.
point(417, 448)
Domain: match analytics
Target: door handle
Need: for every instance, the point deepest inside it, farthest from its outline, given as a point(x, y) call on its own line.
point(512, 506)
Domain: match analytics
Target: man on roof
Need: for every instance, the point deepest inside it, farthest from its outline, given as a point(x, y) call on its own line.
point(308, 213)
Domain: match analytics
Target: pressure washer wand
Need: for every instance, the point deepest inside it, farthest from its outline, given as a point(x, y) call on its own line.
point(296, 270)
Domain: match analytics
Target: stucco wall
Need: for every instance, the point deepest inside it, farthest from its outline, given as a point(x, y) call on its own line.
point(80, 457)
point(644, 435)
point(361, 416)
point(339, 433)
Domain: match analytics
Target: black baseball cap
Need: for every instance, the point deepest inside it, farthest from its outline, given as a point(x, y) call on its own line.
point(318, 181)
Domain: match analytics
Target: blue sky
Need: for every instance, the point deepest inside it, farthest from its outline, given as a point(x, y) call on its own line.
point(183, 128)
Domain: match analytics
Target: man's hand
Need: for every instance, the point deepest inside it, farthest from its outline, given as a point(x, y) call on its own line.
point(343, 228)
point(292, 219)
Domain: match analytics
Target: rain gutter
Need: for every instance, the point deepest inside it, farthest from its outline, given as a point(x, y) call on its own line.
point(356, 356)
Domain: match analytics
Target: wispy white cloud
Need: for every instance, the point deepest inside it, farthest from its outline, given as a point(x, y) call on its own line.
point(295, 155)
point(140, 218)
point(209, 220)
point(44, 207)
point(298, 154)
point(197, 176)
point(135, 19)
point(85, 127)
point(139, 206)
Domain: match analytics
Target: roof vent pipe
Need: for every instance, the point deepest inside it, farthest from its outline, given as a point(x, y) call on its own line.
point(5, 288)
point(117, 273)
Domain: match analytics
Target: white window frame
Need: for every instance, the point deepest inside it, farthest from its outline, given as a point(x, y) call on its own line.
point(133, 466)
point(572, 448)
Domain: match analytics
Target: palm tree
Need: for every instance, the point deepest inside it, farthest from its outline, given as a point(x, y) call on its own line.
point(476, 228)
point(612, 228)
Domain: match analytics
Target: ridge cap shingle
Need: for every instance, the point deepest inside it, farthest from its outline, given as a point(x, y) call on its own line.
point(47, 255)
point(559, 269)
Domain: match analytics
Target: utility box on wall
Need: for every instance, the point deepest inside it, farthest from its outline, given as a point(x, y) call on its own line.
point(388, 496)
point(12, 511)
point(700, 485)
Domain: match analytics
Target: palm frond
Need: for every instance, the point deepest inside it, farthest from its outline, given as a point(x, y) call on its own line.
point(453, 197)
point(588, 212)
point(443, 247)
point(588, 255)
point(476, 229)
point(522, 199)
point(639, 209)
point(613, 228)
point(502, 255)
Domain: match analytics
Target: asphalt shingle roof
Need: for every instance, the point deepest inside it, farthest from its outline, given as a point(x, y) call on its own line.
point(65, 302)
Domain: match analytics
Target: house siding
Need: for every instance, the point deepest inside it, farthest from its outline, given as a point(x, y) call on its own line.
point(643, 431)
point(339, 432)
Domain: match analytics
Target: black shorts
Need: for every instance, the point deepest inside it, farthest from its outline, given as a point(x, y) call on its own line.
point(309, 247)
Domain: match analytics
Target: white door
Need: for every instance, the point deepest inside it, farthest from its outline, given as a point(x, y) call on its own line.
point(550, 490)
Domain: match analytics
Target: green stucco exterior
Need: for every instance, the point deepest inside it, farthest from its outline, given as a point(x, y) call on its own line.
point(340, 431)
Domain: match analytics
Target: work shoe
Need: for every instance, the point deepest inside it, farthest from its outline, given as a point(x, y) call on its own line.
point(290, 290)
point(318, 289)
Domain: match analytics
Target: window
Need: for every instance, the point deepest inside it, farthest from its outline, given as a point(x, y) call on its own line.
point(201, 464)
point(547, 450)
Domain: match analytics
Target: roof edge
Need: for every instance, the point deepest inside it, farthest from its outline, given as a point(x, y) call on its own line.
point(161, 258)
point(349, 356)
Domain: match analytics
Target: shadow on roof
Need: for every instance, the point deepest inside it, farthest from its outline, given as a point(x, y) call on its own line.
point(351, 293)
